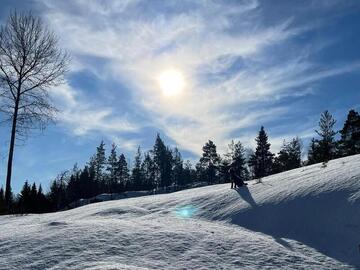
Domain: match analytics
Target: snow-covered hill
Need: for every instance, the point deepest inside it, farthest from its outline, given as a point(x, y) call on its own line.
point(307, 218)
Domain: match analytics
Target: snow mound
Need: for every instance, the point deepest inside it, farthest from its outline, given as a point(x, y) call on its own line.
point(308, 218)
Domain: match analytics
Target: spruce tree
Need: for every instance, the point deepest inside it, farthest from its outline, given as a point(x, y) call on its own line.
point(41, 201)
point(137, 175)
point(224, 167)
point(24, 198)
point(58, 194)
point(289, 156)
point(177, 168)
point(73, 187)
point(327, 144)
point(97, 165)
point(122, 172)
point(163, 162)
point(148, 168)
point(350, 135)
point(209, 163)
point(237, 156)
point(262, 160)
point(189, 174)
point(112, 164)
point(87, 186)
point(314, 155)
point(33, 199)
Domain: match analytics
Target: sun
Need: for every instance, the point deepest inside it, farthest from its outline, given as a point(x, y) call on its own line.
point(171, 82)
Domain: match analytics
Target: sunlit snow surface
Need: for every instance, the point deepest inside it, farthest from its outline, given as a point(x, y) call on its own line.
point(307, 218)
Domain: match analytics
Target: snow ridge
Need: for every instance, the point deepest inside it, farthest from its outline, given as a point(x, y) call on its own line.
point(308, 218)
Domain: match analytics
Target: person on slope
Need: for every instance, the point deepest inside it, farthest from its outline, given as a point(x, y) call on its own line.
point(235, 180)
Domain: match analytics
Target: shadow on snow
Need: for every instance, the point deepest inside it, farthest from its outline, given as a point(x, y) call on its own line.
point(321, 221)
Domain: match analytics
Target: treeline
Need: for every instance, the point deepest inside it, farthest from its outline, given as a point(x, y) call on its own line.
point(163, 168)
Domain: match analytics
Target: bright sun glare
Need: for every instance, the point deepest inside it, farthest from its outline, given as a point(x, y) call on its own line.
point(171, 82)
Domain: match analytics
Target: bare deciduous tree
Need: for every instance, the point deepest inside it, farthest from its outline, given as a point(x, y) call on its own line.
point(30, 63)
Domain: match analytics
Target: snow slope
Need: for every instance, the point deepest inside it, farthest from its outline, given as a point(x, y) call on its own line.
point(307, 218)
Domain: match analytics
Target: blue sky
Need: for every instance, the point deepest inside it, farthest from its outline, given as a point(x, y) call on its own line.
point(244, 63)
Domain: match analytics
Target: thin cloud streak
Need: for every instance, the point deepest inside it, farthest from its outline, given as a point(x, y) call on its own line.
point(205, 42)
point(82, 117)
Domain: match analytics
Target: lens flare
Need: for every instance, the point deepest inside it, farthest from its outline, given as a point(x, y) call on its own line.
point(185, 211)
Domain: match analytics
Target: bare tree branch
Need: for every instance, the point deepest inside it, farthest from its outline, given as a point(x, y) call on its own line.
point(30, 64)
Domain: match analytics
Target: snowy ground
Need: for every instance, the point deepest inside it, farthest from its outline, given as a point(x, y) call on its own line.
point(307, 218)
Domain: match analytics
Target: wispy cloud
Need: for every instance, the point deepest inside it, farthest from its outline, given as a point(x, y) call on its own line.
point(228, 55)
point(80, 116)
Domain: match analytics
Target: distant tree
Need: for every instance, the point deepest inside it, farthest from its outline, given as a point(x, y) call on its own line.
point(122, 172)
point(33, 199)
point(148, 167)
point(326, 143)
point(41, 201)
point(30, 63)
point(73, 189)
point(137, 175)
point(189, 174)
point(294, 152)
point(349, 143)
point(208, 165)
point(162, 156)
point(224, 170)
point(314, 153)
point(178, 168)
point(97, 165)
point(289, 156)
point(237, 156)
point(88, 186)
point(112, 169)
point(24, 198)
point(262, 160)
point(58, 196)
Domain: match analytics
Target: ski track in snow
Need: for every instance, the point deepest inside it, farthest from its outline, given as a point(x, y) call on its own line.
point(308, 218)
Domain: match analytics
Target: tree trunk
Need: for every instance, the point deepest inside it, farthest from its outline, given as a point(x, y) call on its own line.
point(11, 153)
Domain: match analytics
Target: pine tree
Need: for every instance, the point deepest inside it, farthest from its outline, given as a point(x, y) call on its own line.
point(177, 168)
point(41, 201)
point(87, 186)
point(314, 155)
point(237, 156)
point(73, 187)
point(189, 174)
point(289, 156)
point(262, 160)
point(97, 165)
point(224, 167)
point(137, 176)
point(208, 165)
point(58, 196)
point(24, 198)
point(33, 199)
point(163, 163)
point(122, 172)
point(148, 168)
point(112, 166)
point(327, 145)
point(350, 135)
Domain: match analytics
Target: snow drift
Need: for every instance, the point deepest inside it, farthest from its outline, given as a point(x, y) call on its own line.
point(308, 218)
